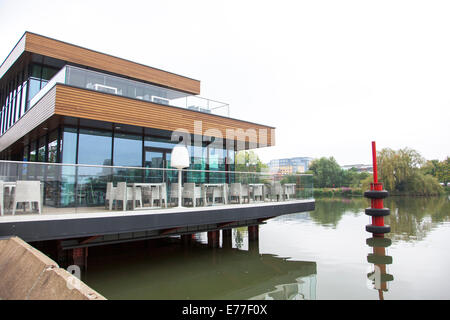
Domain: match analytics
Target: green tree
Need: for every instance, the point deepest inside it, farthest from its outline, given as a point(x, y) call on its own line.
point(430, 167)
point(443, 174)
point(396, 168)
point(438, 169)
point(401, 171)
point(248, 161)
point(327, 173)
point(352, 178)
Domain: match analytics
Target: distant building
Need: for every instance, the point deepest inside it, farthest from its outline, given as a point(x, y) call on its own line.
point(290, 165)
point(359, 167)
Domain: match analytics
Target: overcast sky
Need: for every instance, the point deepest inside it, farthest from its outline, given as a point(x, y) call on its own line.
point(331, 76)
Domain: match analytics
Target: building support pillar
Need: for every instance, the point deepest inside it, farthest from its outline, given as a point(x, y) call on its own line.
point(227, 239)
point(186, 239)
point(79, 257)
point(213, 238)
point(62, 257)
point(253, 233)
point(253, 239)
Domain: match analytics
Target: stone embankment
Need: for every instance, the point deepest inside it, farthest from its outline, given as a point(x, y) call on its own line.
point(28, 274)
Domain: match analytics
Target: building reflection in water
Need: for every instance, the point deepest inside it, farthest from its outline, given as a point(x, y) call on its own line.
point(292, 280)
point(304, 288)
point(192, 269)
point(378, 278)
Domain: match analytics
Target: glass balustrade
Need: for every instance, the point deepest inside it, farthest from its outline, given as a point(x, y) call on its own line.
point(70, 188)
point(93, 80)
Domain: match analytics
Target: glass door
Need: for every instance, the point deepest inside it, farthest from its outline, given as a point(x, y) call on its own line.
point(156, 159)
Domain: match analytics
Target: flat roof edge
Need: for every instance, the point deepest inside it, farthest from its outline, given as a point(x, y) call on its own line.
point(110, 55)
point(164, 105)
point(3, 67)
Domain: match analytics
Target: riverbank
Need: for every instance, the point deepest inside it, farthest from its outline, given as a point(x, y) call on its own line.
point(28, 274)
point(359, 192)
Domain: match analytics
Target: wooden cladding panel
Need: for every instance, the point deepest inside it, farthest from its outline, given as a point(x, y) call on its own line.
point(74, 54)
point(40, 112)
point(93, 105)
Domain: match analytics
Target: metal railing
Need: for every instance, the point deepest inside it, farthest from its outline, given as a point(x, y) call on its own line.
point(71, 188)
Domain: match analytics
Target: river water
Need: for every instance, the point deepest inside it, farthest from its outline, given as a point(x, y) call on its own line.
point(323, 254)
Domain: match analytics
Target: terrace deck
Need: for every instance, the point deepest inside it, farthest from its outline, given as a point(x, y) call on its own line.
point(101, 224)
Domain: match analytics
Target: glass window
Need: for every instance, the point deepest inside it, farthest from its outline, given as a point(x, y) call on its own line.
point(95, 81)
point(159, 143)
point(5, 113)
point(68, 173)
point(94, 147)
point(33, 151)
point(230, 157)
point(198, 162)
point(139, 93)
point(25, 153)
point(14, 106)
point(69, 148)
point(41, 149)
point(53, 147)
point(12, 114)
point(34, 87)
point(127, 150)
point(36, 71)
point(43, 83)
point(18, 106)
point(52, 62)
point(216, 163)
point(119, 85)
point(52, 187)
point(3, 119)
point(24, 98)
point(9, 110)
point(5, 116)
point(76, 77)
point(48, 73)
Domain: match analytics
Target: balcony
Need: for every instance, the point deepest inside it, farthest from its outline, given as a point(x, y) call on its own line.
point(73, 201)
point(67, 188)
point(97, 81)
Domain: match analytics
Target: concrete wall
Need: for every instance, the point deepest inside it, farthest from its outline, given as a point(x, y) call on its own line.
point(28, 274)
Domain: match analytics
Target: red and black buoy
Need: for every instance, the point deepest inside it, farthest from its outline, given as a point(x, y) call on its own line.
point(379, 244)
point(376, 195)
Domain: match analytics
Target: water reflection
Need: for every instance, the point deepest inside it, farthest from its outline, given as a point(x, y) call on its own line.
point(174, 271)
point(411, 218)
point(328, 212)
point(378, 277)
point(304, 288)
point(329, 239)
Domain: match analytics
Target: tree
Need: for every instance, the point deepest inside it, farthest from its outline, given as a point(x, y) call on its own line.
point(431, 167)
point(401, 171)
point(327, 173)
point(438, 169)
point(443, 174)
point(396, 168)
point(248, 161)
point(353, 178)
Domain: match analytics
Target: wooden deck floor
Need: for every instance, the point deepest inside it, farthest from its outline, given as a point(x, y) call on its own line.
point(84, 222)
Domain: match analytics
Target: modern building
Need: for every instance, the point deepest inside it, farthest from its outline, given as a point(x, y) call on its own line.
point(290, 165)
point(61, 103)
